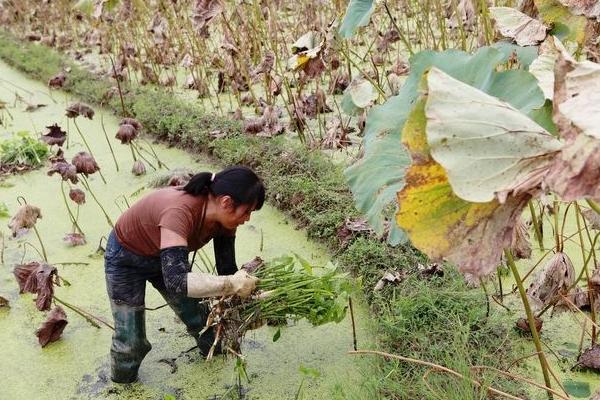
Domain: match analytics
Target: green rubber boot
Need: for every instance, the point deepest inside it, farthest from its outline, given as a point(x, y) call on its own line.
point(194, 314)
point(129, 343)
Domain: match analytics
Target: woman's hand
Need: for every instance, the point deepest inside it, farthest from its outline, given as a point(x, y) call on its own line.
point(243, 284)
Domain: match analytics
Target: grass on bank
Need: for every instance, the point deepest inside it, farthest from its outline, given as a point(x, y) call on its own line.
point(439, 320)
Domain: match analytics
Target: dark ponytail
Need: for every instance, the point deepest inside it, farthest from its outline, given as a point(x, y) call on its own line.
point(239, 182)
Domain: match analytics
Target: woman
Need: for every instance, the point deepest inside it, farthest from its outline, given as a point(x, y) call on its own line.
point(151, 242)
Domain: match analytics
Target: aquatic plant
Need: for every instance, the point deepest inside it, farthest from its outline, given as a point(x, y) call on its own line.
point(53, 326)
point(22, 152)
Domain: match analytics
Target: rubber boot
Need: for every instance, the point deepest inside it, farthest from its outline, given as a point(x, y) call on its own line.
point(129, 343)
point(194, 315)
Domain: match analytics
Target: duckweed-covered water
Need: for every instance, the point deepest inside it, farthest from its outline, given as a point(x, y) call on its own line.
point(562, 331)
point(77, 366)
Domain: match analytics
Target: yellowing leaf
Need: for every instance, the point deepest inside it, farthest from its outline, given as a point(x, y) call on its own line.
point(485, 145)
point(513, 24)
point(442, 225)
point(566, 25)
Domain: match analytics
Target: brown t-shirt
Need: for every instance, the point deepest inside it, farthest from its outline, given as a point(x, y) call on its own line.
point(138, 228)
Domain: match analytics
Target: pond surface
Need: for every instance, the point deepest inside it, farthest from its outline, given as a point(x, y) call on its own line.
point(77, 365)
point(561, 333)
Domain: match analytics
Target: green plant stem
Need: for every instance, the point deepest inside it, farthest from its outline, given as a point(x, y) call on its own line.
point(536, 226)
point(578, 217)
point(73, 219)
point(108, 142)
point(593, 205)
point(530, 318)
point(37, 233)
point(88, 316)
point(89, 189)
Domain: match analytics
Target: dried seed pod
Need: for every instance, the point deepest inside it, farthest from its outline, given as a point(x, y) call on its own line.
point(77, 195)
point(77, 109)
point(556, 277)
point(520, 246)
point(138, 168)
point(84, 163)
point(25, 218)
point(133, 122)
point(126, 133)
point(74, 239)
point(57, 81)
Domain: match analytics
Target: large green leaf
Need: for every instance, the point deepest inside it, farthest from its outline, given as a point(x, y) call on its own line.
point(376, 180)
point(373, 194)
point(486, 145)
point(358, 14)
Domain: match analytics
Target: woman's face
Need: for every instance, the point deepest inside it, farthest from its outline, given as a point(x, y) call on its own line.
point(233, 216)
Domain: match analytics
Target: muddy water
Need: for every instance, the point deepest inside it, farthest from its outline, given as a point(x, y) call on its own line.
point(562, 331)
point(76, 366)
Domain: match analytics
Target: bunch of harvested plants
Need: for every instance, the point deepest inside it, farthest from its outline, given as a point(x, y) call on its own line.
point(289, 289)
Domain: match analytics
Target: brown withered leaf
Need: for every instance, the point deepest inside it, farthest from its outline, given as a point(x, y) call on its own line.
point(339, 82)
point(41, 282)
point(575, 172)
point(520, 247)
point(76, 109)
point(393, 277)
point(268, 125)
point(464, 13)
point(126, 133)
point(4, 302)
point(592, 218)
point(65, 170)
point(336, 136)
point(58, 80)
point(555, 278)
point(77, 195)
point(275, 84)
point(203, 12)
point(400, 67)
point(74, 239)
point(84, 163)
point(590, 358)
point(430, 270)
point(22, 273)
point(266, 65)
point(53, 327)
point(588, 8)
point(159, 27)
point(315, 104)
point(523, 325)
point(25, 218)
point(384, 41)
point(55, 135)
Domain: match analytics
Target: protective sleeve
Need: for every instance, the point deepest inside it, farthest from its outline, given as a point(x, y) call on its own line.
point(225, 255)
point(175, 267)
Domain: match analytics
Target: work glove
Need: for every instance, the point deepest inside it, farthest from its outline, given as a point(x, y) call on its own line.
point(207, 285)
point(243, 283)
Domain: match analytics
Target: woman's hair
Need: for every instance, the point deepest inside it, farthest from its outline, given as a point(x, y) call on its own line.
point(239, 182)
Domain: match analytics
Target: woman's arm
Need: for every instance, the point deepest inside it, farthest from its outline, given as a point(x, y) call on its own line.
point(179, 279)
point(225, 255)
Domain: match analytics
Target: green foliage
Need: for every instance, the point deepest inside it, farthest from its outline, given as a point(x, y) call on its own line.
point(4, 210)
point(357, 14)
point(297, 290)
point(443, 322)
point(23, 150)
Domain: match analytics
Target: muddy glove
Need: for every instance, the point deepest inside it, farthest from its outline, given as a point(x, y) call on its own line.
point(179, 280)
point(206, 285)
